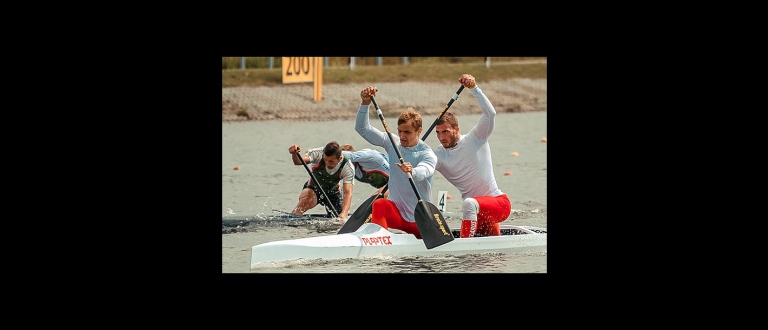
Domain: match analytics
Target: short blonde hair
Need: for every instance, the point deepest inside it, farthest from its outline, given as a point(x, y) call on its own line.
point(409, 114)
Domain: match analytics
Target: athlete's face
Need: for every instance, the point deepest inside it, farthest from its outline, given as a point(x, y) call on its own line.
point(409, 136)
point(447, 135)
point(332, 161)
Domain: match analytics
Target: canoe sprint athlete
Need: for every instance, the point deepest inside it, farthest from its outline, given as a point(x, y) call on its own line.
point(465, 161)
point(397, 210)
point(330, 167)
point(371, 166)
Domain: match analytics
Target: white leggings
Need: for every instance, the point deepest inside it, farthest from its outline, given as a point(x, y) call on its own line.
point(469, 209)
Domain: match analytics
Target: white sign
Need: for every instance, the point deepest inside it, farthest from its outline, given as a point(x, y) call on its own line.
point(441, 201)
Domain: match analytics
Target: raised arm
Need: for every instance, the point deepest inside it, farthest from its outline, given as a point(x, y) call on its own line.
point(487, 121)
point(363, 126)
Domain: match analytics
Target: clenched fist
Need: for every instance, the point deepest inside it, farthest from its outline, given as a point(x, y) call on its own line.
point(468, 81)
point(366, 93)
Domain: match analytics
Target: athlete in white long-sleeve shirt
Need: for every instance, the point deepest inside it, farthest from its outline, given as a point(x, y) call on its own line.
point(465, 161)
point(397, 210)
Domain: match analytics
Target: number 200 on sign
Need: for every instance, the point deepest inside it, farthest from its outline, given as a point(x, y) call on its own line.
point(298, 69)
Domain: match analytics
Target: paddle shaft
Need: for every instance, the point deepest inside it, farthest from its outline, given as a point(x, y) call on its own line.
point(314, 180)
point(362, 214)
point(454, 98)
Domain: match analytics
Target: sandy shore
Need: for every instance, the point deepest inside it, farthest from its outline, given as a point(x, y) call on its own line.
point(340, 101)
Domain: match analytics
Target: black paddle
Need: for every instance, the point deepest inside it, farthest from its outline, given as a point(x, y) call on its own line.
point(363, 212)
point(432, 226)
point(314, 181)
point(454, 98)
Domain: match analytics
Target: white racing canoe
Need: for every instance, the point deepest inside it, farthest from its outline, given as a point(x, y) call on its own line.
point(371, 240)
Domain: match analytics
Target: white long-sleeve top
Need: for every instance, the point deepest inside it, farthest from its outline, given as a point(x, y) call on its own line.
point(468, 165)
point(368, 160)
point(421, 157)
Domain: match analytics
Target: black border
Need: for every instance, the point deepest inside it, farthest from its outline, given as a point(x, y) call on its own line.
point(552, 266)
point(574, 168)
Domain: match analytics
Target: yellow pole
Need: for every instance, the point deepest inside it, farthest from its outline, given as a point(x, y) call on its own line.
point(318, 78)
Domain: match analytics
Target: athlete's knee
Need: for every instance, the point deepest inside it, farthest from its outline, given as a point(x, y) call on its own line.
point(470, 204)
point(469, 209)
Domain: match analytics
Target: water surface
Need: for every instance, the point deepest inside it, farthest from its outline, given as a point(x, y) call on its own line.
point(268, 180)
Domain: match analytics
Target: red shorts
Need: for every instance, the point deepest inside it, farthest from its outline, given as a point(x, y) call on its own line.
point(386, 214)
point(492, 211)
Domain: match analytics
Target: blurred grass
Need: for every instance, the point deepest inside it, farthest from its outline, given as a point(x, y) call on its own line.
point(366, 71)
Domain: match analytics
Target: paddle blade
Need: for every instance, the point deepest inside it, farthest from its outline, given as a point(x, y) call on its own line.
point(360, 216)
point(432, 225)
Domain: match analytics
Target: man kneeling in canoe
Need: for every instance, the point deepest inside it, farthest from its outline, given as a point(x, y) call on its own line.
point(465, 161)
point(329, 167)
point(418, 166)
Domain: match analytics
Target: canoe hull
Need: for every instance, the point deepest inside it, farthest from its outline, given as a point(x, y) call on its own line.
point(371, 240)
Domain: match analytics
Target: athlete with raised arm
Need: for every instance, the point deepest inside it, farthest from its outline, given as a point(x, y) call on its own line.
point(465, 161)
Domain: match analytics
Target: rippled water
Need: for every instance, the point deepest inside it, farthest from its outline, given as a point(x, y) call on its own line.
point(267, 180)
point(471, 263)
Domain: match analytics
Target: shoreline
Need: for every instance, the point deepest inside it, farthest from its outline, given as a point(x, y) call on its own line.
point(341, 101)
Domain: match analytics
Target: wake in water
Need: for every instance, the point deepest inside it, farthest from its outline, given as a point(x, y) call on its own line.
point(470, 263)
point(322, 223)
